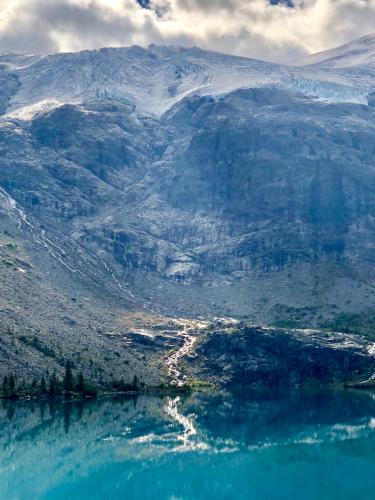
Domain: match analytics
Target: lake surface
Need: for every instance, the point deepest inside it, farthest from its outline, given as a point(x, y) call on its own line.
point(253, 445)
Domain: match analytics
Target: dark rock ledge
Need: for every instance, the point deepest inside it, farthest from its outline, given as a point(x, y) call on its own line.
point(255, 356)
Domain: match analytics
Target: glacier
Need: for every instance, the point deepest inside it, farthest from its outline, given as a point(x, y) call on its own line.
point(155, 79)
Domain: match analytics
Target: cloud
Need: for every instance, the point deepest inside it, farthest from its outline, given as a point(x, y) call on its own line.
point(275, 30)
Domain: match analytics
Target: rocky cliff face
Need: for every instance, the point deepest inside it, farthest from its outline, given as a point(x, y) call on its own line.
point(254, 356)
point(190, 183)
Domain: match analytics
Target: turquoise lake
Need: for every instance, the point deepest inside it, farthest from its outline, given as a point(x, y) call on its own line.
point(253, 445)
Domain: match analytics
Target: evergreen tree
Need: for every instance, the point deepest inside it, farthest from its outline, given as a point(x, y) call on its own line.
point(52, 390)
point(12, 384)
point(5, 386)
point(68, 377)
point(43, 385)
point(135, 382)
point(80, 387)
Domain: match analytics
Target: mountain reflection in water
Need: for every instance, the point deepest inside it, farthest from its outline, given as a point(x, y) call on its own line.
point(294, 444)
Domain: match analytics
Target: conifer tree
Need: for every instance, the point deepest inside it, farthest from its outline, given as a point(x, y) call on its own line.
point(43, 385)
point(5, 386)
point(68, 377)
point(135, 382)
point(12, 384)
point(80, 383)
point(52, 390)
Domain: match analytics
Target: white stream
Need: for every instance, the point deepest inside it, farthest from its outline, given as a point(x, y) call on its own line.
point(52, 243)
point(188, 334)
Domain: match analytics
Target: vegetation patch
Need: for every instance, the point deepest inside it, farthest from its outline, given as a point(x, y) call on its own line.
point(35, 343)
point(293, 317)
point(308, 317)
point(361, 324)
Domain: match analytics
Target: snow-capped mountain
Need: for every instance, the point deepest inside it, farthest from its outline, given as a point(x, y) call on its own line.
point(358, 53)
point(155, 79)
point(185, 182)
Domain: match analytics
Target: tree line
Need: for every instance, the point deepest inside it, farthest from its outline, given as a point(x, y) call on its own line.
point(69, 386)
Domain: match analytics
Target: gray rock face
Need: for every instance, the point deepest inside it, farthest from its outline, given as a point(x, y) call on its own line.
point(259, 183)
point(254, 356)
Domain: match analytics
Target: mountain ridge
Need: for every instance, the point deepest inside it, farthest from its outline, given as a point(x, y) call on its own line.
point(190, 185)
point(337, 56)
point(168, 74)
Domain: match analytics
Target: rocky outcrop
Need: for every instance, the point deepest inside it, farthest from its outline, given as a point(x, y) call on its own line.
point(254, 356)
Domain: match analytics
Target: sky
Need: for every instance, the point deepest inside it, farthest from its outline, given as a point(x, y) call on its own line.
point(274, 30)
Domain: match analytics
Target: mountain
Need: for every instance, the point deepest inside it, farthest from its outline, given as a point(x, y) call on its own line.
point(142, 186)
point(351, 55)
